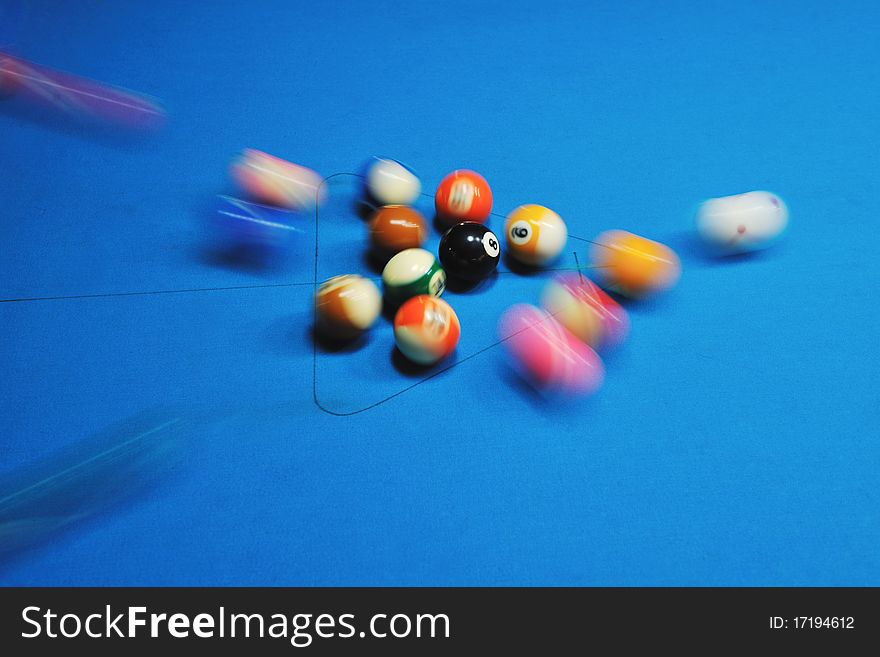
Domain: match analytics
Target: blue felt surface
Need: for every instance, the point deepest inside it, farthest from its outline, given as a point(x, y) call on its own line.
point(735, 440)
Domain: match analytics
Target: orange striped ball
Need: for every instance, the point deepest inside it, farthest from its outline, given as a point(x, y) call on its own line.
point(426, 329)
point(463, 195)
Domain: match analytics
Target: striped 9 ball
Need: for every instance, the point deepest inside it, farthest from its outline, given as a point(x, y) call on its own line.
point(535, 235)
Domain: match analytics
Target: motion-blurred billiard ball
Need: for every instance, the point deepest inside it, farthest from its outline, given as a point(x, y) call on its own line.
point(389, 182)
point(394, 228)
point(546, 354)
point(270, 180)
point(585, 310)
point(469, 251)
point(463, 195)
point(743, 222)
point(426, 329)
point(346, 306)
point(535, 235)
point(410, 273)
point(632, 265)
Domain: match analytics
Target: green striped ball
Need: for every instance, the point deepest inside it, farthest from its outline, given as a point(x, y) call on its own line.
point(410, 273)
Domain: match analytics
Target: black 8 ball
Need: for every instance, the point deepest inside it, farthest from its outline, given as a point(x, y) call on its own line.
point(469, 251)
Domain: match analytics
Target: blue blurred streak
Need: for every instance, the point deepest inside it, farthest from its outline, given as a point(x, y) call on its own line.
point(125, 462)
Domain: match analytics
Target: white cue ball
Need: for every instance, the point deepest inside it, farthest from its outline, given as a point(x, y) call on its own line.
point(392, 183)
point(743, 222)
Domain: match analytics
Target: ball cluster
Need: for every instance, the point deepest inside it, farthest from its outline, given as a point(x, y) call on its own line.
point(555, 346)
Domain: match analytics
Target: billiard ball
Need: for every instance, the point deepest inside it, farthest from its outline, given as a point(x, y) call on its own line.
point(546, 354)
point(394, 228)
point(389, 182)
point(469, 251)
point(743, 222)
point(535, 235)
point(346, 306)
point(634, 266)
point(426, 329)
point(410, 273)
point(271, 180)
point(585, 310)
point(463, 195)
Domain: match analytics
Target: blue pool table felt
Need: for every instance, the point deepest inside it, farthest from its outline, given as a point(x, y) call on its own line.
point(735, 439)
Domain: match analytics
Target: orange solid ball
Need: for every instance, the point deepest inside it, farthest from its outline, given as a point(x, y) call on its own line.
point(394, 228)
point(463, 195)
